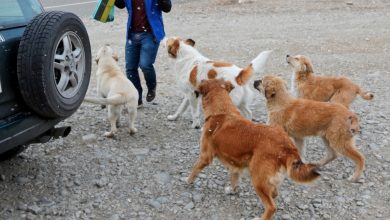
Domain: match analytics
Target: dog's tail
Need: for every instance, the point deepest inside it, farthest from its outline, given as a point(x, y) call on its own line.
point(117, 99)
point(354, 124)
point(365, 95)
point(300, 172)
point(256, 66)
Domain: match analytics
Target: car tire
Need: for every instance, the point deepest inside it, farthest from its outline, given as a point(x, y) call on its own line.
point(54, 64)
point(12, 152)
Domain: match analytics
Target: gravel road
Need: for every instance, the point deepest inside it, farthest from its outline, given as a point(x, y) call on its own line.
point(87, 176)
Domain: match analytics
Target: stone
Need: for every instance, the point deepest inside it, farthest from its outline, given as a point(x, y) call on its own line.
point(114, 217)
point(140, 151)
point(163, 178)
point(22, 180)
point(189, 206)
point(154, 203)
point(89, 139)
point(34, 209)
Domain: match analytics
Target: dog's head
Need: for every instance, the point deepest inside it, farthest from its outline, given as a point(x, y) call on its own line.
point(301, 64)
point(106, 51)
point(213, 84)
point(270, 85)
point(173, 45)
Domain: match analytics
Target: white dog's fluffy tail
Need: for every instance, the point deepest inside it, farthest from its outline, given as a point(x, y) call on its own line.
point(116, 99)
point(256, 66)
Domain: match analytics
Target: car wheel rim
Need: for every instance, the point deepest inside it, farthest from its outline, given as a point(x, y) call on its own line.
point(69, 64)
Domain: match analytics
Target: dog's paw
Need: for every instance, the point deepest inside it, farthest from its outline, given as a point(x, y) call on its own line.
point(256, 219)
point(195, 124)
point(355, 179)
point(109, 134)
point(172, 117)
point(188, 180)
point(230, 191)
point(133, 130)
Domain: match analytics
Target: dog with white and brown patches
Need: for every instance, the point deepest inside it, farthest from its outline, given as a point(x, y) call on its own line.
point(239, 143)
point(192, 67)
point(337, 89)
point(300, 118)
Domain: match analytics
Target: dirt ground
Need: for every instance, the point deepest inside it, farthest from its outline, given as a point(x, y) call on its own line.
point(87, 176)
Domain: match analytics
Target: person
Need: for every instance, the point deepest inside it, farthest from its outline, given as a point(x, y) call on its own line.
point(145, 30)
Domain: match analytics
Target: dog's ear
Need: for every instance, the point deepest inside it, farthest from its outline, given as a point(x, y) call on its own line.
point(307, 67)
point(228, 86)
point(116, 57)
point(269, 91)
point(201, 89)
point(190, 42)
point(173, 48)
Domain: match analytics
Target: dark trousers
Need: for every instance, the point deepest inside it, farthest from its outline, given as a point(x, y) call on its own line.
point(141, 51)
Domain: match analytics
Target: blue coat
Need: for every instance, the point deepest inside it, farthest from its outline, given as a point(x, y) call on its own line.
point(154, 14)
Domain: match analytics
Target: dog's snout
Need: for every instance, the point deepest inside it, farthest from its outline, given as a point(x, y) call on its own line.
point(257, 83)
point(287, 56)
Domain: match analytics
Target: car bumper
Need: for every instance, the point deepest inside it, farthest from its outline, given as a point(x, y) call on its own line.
point(24, 128)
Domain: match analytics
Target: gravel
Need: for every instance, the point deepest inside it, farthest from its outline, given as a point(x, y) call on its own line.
point(87, 176)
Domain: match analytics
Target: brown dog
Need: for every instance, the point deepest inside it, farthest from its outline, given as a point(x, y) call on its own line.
point(238, 143)
point(301, 117)
point(306, 85)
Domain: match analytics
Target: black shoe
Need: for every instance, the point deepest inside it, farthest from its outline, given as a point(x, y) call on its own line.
point(151, 95)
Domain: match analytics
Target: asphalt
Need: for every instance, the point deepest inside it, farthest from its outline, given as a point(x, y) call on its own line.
point(82, 8)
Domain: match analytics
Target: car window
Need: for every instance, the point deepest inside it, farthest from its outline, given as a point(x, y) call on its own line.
point(18, 12)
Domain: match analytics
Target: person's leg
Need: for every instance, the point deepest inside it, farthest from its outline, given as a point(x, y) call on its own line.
point(149, 48)
point(132, 56)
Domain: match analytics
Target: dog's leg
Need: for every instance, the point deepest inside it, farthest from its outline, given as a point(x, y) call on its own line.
point(261, 180)
point(183, 106)
point(246, 112)
point(118, 121)
point(234, 181)
point(205, 158)
point(131, 118)
point(112, 117)
point(300, 143)
point(194, 104)
point(330, 153)
point(351, 152)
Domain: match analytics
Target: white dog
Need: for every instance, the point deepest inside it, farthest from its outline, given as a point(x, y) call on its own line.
point(192, 67)
point(114, 89)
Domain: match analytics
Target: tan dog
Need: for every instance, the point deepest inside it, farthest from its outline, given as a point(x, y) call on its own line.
point(238, 143)
point(304, 84)
point(114, 90)
point(302, 117)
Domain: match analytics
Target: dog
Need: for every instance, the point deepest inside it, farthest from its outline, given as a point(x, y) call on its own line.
point(303, 117)
point(305, 84)
point(192, 67)
point(239, 143)
point(114, 90)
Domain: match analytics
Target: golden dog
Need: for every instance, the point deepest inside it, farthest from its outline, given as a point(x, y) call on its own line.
point(302, 117)
point(322, 88)
point(238, 143)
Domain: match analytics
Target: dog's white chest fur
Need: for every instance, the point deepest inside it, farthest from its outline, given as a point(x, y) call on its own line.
point(293, 90)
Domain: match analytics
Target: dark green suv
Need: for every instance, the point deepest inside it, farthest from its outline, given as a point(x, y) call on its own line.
point(45, 66)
